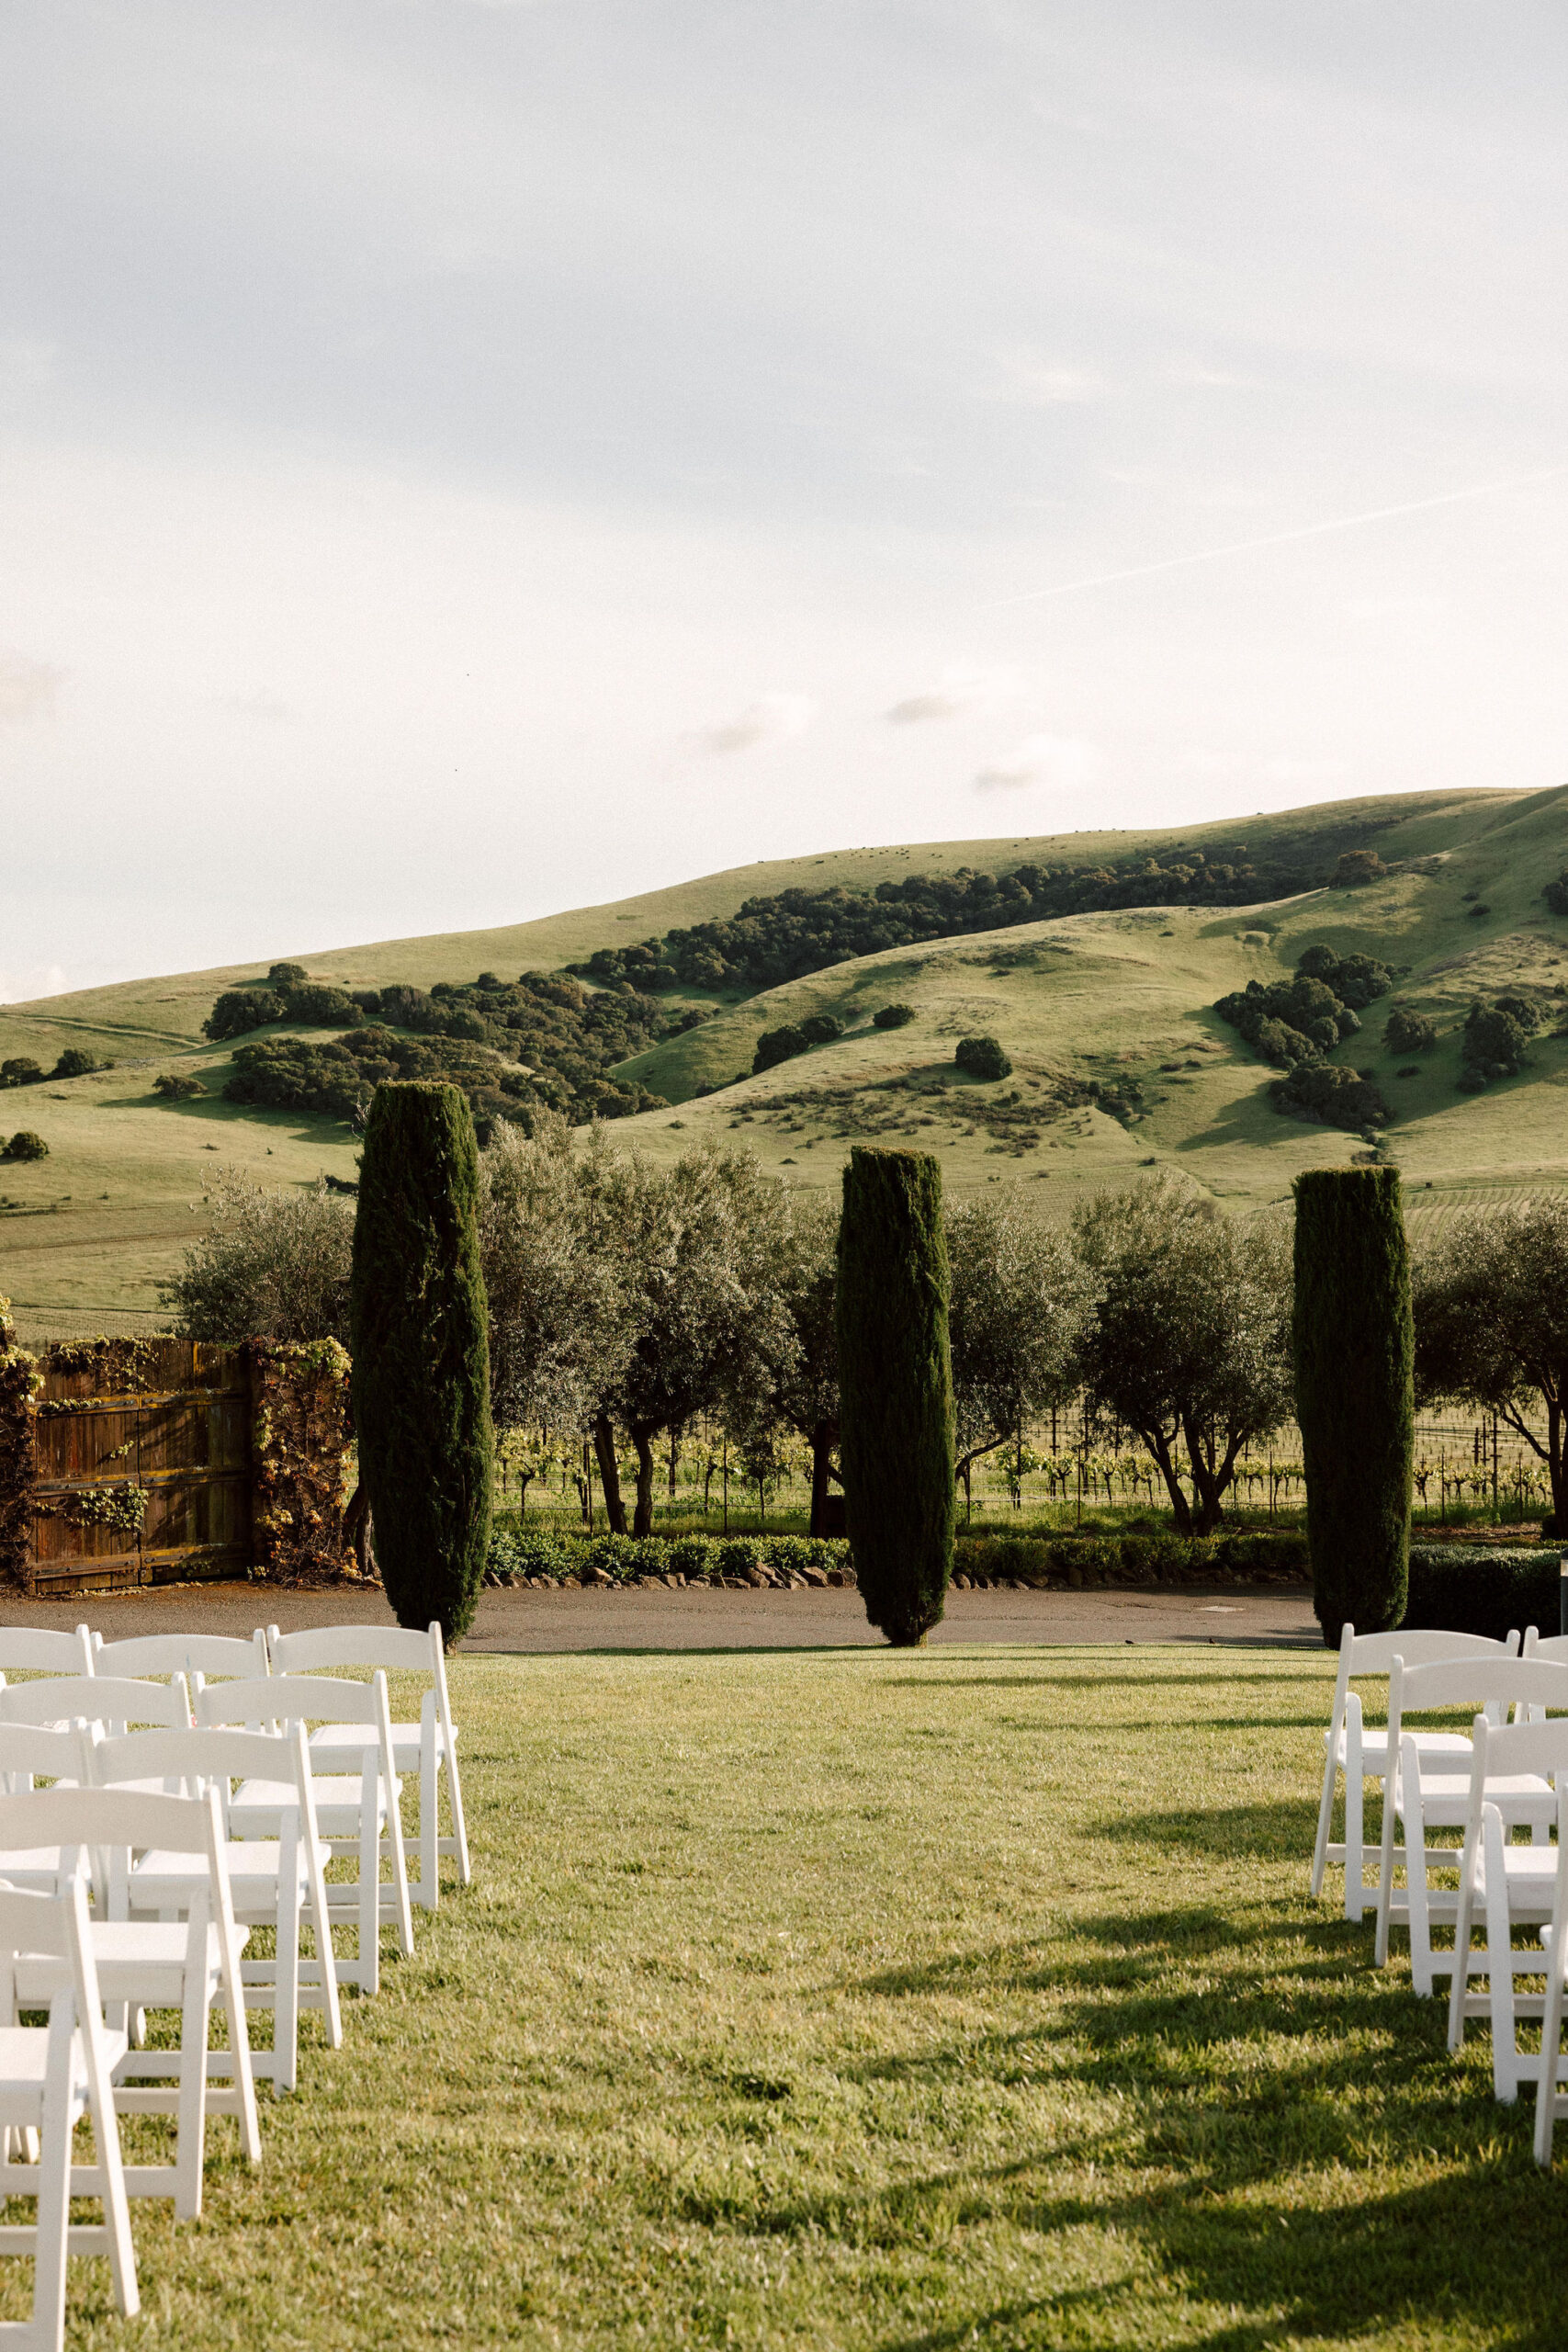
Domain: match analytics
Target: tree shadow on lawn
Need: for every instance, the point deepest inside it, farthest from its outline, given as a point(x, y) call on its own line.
point(1253, 2120)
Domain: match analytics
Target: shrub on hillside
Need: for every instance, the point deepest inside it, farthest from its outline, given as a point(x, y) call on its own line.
point(822, 1028)
point(1356, 866)
point(20, 1070)
point(26, 1145)
point(177, 1088)
point(74, 1063)
point(981, 1057)
point(776, 1045)
point(893, 1016)
point(1333, 1094)
point(1408, 1033)
point(1556, 894)
point(1494, 1040)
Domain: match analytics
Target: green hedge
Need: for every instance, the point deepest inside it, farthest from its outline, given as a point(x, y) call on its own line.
point(517, 1550)
point(1168, 1558)
point(1482, 1589)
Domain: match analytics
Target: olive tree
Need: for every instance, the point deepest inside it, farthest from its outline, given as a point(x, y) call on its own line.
point(1490, 1307)
point(789, 1378)
point(1188, 1338)
point(560, 1292)
point(1014, 1315)
point(271, 1265)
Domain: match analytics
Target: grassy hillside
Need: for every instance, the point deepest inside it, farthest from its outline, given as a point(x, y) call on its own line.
point(1123, 998)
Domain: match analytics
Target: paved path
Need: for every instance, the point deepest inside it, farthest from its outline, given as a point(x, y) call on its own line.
point(644, 1618)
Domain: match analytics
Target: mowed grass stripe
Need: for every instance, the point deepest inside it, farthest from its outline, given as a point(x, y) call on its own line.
point(888, 2000)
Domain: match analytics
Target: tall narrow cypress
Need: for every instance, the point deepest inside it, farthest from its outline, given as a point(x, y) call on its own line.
point(421, 1353)
point(895, 1389)
point(1354, 1403)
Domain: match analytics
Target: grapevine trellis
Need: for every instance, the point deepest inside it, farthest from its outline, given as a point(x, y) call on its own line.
point(1068, 1462)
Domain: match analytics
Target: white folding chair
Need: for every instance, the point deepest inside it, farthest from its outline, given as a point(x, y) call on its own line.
point(276, 1884)
point(29, 1752)
point(1505, 1886)
point(1428, 1792)
point(148, 1964)
point(1362, 1755)
point(146, 1654)
point(111, 1701)
point(35, 1649)
point(357, 1811)
point(51, 2076)
point(429, 1747)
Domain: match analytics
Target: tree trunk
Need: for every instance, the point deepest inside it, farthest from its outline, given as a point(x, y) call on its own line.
point(1212, 1484)
point(609, 1473)
point(1182, 1511)
point(1554, 1466)
point(358, 1536)
point(821, 1457)
point(642, 1439)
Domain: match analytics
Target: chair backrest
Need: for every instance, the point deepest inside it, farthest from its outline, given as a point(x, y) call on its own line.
point(35, 1649)
point(105, 1817)
point(1544, 1645)
point(210, 1757)
point(186, 1654)
point(1506, 1749)
point(31, 1750)
point(1375, 1653)
point(1486, 1683)
point(296, 1697)
point(95, 1698)
point(391, 1647)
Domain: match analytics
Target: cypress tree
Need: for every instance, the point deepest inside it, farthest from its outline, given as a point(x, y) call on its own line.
point(895, 1389)
point(422, 1354)
point(1355, 1403)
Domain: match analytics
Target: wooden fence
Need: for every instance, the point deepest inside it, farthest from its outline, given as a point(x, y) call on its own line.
point(148, 1481)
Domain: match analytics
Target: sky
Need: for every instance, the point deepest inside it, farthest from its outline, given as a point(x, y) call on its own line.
point(461, 460)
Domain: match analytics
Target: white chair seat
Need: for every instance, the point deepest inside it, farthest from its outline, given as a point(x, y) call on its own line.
point(1522, 1798)
point(1374, 1748)
point(339, 1797)
point(38, 1868)
point(339, 1739)
point(24, 2057)
point(254, 1867)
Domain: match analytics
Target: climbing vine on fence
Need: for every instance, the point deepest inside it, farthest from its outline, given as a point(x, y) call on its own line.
point(300, 1435)
point(19, 1384)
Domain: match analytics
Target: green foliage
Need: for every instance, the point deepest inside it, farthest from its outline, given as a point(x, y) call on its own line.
point(1493, 1589)
point(1185, 1341)
point(1494, 1040)
point(1556, 893)
point(285, 975)
point(893, 1016)
point(1408, 1033)
point(1355, 1407)
point(421, 1360)
point(1158, 1557)
point(25, 1145)
point(981, 1057)
point(1016, 1305)
point(177, 1088)
point(75, 1063)
point(271, 1265)
point(1333, 1094)
point(1491, 1306)
point(895, 1388)
point(20, 1069)
point(518, 1550)
point(822, 1028)
point(1301, 1020)
point(778, 938)
point(1356, 866)
point(776, 1045)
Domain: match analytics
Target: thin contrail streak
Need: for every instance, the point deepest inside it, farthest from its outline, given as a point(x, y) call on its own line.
point(1275, 539)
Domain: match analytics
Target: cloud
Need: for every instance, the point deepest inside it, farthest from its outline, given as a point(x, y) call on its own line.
point(1066, 762)
point(27, 689)
point(1284, 770)
point(772, 719)
point(954, 692)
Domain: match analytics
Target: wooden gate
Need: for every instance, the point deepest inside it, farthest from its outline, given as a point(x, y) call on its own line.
point(142, 1467)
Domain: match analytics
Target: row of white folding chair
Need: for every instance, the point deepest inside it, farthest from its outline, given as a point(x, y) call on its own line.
point(1362, 1754)
point(49, 2077)
point(357, 1813)
point(1488, 1783)
point(428, 1748)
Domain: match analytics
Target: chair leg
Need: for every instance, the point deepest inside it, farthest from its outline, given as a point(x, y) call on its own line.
point(403, 1915)
point(54, 2182)
point(369, 1972)
point(286, 1983)
point(1355, 1865)
point(460, 1828)
point(1415, 1898)
point(1459, 1985)
point(429, 1894)
point(1550, 2039)
point(190, 2146)
point(1324, 1810)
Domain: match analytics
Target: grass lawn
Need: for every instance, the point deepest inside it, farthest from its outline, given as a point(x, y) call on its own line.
point(863, 1998)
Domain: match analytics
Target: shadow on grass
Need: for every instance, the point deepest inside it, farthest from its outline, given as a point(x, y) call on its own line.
point(1257, 2101)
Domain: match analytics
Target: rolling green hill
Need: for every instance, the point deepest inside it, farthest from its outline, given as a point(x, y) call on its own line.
point(1122, 999)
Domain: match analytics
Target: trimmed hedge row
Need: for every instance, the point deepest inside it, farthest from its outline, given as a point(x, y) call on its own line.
point(1159, 1556)
point(518, 1552)
point(1477, 1589)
